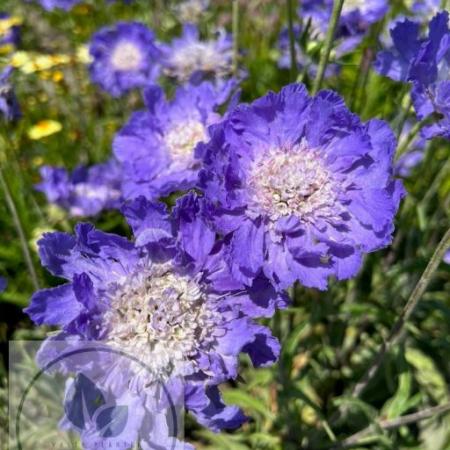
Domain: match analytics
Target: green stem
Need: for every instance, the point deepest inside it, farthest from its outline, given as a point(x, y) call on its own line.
point(404, 115)
point(290, 15)
point(235, 26)
point(408, 140)
point(325, 56)
point(19, 229)
point(396, 332)
point(440, 177)
point(389, 424)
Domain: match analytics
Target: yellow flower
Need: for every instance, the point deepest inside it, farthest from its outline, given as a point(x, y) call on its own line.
point(9, 22)
point(58, 76)
point(43, 129)
point(83, 55)
point(29, 62)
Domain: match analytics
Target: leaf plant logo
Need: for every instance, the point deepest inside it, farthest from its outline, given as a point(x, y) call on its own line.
point(88, 410)
point(101, 411)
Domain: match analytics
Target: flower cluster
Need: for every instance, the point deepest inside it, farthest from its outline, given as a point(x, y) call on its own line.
point(290, 188)
point(84, 192)
point(168, 297)
point(425, 63)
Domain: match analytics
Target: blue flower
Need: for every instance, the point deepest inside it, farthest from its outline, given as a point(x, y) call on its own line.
point(3, 284)
point(10, 34)
point(125, 56)
point(9, 106)
point(157, 146)
point(66, 5)
point(191, 10)
point(301, 187)
point(426, 64)
point(189, 56)
point(168, 298)
point(86, 191)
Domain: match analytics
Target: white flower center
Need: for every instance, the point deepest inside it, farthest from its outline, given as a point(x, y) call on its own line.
point(162, 318)
point(191, 10)
point(101, 193)
point(352, 5)
point(182, 138)
point(292, 182)
point(126, 57)
point(199, 56)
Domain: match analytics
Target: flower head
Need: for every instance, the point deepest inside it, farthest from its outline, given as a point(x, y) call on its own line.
point(66, 5)
point(425, 63)
point(168, 298)
point(301, 186)
point(44, 128)
point(124, 57)
point(191, 10)
point(157, 146)
point(188, 56)
point(9, 106)
point(86, 191)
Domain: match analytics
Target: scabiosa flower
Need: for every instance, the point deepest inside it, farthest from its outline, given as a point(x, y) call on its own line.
point(425, 63)
point(188, 56)
point(447, 257)
point(301, 187)
point(424, 9)
point(3, 284)
point(157, 146)
point(356, 18)
point(167, 298)
point(191, 10)
point(84, 192)
point(125, 56)
point(66, 5)
point(9, 106)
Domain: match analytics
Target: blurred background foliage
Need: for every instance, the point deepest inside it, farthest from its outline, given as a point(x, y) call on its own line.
point(329, 338)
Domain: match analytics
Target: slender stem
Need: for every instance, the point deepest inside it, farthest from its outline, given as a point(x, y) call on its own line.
point(19, 229)
point(235, 26)
point(290, 17)
point(324, 57)
point(404, 113)
point(397, 330)
point(408, 140)
point(440, 177)
point(394, 423)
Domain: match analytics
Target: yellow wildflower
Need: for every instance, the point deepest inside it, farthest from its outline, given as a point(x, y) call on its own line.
point(43, 129)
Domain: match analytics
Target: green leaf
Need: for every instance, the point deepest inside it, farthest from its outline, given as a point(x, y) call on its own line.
point(398, 404)
point(427, 374)
point(248, 402)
